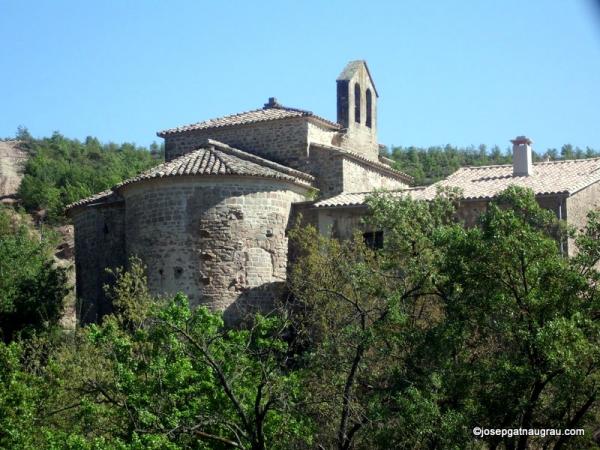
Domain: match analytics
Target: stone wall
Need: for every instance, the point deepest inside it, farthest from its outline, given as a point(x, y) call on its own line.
point(317, 134)
point(469, 211)
point(99, 244)
point(340, 222)
point(336, 172)
point(360, 177)
point(220, 240)
point(282, 141)
point(361, 140)
point(577, 208)
point(328, 169)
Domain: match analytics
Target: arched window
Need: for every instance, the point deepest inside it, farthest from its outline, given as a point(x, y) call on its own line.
point(357, 103)
point(369, 121)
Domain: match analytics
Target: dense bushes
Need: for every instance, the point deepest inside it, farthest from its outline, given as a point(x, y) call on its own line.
point(410, 346)
point(32, 289)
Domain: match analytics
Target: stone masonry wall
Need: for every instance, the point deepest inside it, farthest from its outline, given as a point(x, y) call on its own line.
point(578, 206)
point(328, 169)
point(321, 135)
point(342, 222)
point(360, 177)
point(220, 240)
point(469, 211)
point(282, 141)
point(361, 140)
point(336, 173)
point(99, 244)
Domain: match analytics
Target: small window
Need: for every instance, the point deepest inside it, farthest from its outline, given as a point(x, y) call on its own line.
point(374, 239)
point(369, 121)
point(357, 103)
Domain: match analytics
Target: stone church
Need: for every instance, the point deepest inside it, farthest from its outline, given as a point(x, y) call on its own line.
point(211, 220)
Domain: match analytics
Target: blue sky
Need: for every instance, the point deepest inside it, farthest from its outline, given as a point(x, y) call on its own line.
point(458, 72)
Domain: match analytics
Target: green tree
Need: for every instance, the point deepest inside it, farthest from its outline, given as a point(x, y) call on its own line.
point(166, 376)
point(521, 329)
point(447, 328)
point(32, 288)
point(361, 313)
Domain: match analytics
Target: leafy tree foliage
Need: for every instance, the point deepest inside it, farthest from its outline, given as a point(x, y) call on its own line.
point(409, 346)
point(447, 328)
point(363, 314)
point(159, 375)
point(530, 315)
point(61, 170)
point(428, 165)
point(32, 289)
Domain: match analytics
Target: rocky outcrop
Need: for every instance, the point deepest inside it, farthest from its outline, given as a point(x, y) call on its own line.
point(12, 162)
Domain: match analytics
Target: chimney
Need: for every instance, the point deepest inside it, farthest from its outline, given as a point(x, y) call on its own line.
point(522, 159)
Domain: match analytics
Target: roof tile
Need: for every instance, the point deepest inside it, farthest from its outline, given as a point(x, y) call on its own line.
point(554, 177)
point(346, 199)
point(213, 158)
point(271, 111)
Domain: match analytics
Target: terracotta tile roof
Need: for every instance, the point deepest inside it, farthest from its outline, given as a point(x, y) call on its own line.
point(375, 164)
point(213, 158)
point(554, 177)
point(216, 158)
point(347, 199)
point(270, 111)
point(485, 182)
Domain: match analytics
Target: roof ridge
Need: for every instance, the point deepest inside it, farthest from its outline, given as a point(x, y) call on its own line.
point(562, 161)
point(289, 108)
point(218, 157)
point(556, 161)
point(247, 156)
point(274, 104)
point(227, 116)
point(249, 117)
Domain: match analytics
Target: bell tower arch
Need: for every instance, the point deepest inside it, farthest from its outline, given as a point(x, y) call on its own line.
point(357, 109)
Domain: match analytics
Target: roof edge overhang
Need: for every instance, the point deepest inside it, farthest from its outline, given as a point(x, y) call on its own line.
point(94, 203)
point(221, 178)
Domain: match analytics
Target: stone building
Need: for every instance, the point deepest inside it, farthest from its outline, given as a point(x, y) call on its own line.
point(569, 188)
point(211, 221)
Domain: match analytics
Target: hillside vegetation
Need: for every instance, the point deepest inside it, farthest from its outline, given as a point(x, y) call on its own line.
point(61, 171)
